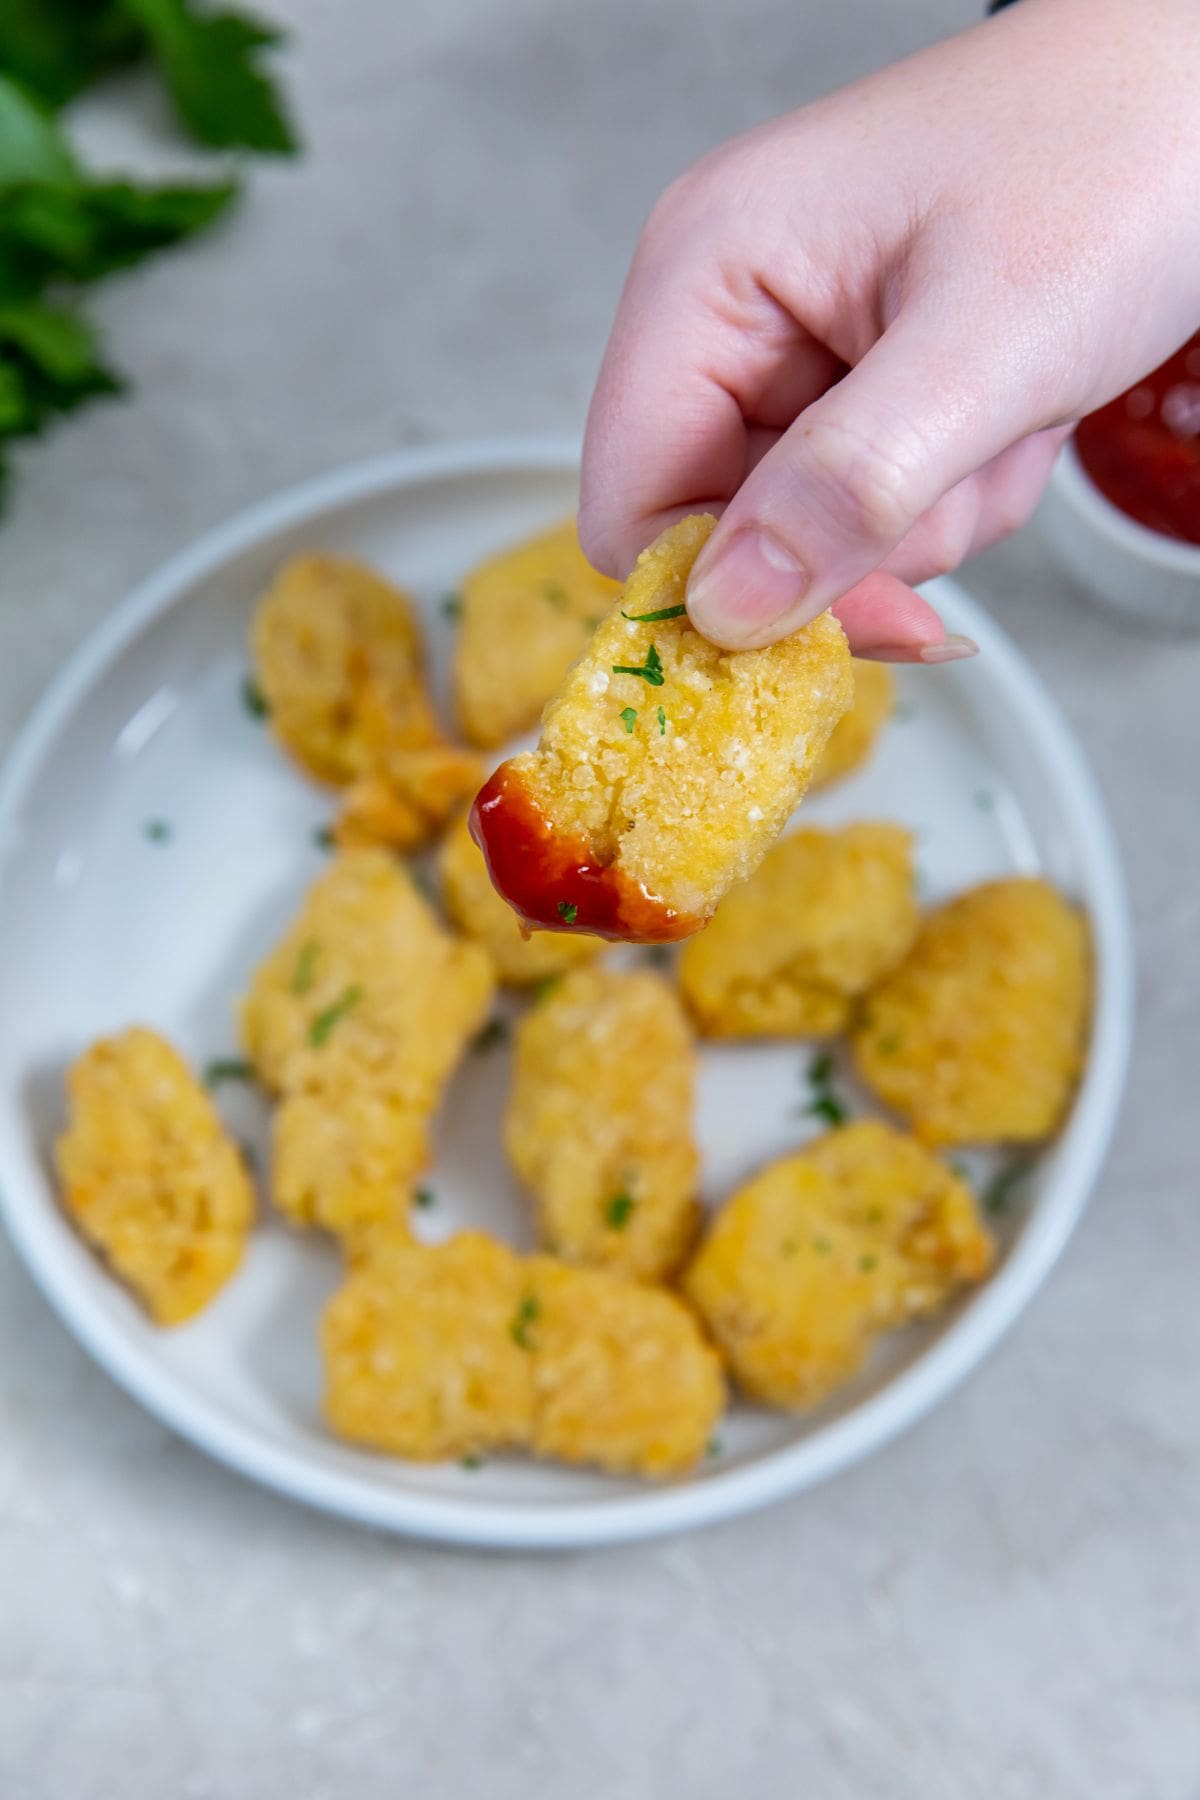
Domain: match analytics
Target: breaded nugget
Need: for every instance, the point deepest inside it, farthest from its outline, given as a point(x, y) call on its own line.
point(853, 737)
point(622, 1377)
point(526, 615)
point(824, 916)
point(978, 1036)
point(666, 767)
point(149, 1176)
point(337, 651)
point(477, 909)
point(419, 1348)
point(446, 1350)
point(599, 1121)
point(358, 1019)
point(800, 1270)
point(408, 797)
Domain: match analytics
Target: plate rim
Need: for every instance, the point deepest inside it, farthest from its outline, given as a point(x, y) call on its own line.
point(479, 1522)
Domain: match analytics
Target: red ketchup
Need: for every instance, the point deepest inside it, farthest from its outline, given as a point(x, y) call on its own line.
point(554, 882)
point(1142, 450)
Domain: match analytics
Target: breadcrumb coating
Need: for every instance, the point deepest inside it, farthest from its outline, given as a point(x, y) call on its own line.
point(149, 1175)
point(453, 1349)
point(526, 615)
point(979, 1036)
point(358, 1018)
point(825, 915)
point(666, 766)
point(853, 737)
point(819, 1253)
point(599, 1121)
point(406, 800)
point(478, 911)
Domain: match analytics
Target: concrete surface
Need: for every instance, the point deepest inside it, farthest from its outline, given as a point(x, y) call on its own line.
point(1005, 1604)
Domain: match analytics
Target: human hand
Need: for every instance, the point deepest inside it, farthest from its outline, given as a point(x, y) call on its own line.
point(993, 238)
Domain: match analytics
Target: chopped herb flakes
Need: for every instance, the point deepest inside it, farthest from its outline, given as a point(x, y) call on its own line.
point(555, 595)
point(829, 1108)
point(253, 699)
point(452, 607)
point(423, 881)
point(662, 723)
point(568, 912)
point(652, 618)
point(305, 971)
point(619, 1210)
point(1000, 1190)
point(822, 1246)
point(628, 717)
point(493, 1033)
point(714, 1447)
point(545, 987)
point(424, 1198)
point(825, 1104)
point(227, 1068)
point(525, 1315)
point(472, 1460)
point(650, 671)
point(887, 1045)
point(323, 1026)
point(868, 1261)
point(658, 956)
point(158, 831)
point(323, 837)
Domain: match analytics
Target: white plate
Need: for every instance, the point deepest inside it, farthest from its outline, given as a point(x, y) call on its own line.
point(102, 926)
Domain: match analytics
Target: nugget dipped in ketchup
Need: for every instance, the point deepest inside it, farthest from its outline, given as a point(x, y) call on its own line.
point(666, 767)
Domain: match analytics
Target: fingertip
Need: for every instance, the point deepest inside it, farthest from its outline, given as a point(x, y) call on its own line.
point(887, 621)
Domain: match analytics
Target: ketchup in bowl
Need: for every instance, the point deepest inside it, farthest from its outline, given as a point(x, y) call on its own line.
point(1142, 450)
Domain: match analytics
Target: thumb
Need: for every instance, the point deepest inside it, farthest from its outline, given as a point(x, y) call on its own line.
point(837, 492)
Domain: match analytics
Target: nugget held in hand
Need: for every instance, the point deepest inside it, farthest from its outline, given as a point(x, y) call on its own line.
point(826, 914)
point(978, 1037)
point(599, 1122)
point(452, 1349)
point(358, 1019)
point(149, 1175)
point(853, 737)
point(525, 616)
point(521, 958)
point(666, 767)
point(860, 1232)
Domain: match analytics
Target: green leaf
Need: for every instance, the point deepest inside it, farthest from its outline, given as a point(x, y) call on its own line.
point(51, 363)
point(56, 47)
point(31, 146)
point(84, 231)
point(210, 63)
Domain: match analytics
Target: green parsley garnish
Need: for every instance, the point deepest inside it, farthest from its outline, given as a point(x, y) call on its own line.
point(904, 712)
point(472, 1460)
point(523, 1318)
point(158, 831)
point(545, 987)
point(822, 1246)
point(424, 1198)
point(493, 1033)
point(227, 1068)
point(874, 1215)
point(829, 1108)
point(556, 594)
point(253, 699)
point(249, 1156)
point(568, 912)
point(888, 1045)
point(650, 671)
point(452, 606)
point(824, 1104)
point(619, 1210)
point(652, 618)
point(662, 723)
point(628, 714)
point(868, 1261)
point(820, 1069)
point(714, 1447)
point(658, 956)
point(423, 881)
point(999, 1192)
point(322, 1027)
point(323, 837)
point(305, 971)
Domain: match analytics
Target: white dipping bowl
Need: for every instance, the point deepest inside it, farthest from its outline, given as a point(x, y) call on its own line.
point(1139, 571)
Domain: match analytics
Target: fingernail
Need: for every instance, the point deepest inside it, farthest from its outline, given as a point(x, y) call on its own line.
point(953, 648)
point(753, 582)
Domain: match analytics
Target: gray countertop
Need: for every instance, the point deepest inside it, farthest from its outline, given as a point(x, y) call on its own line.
point(1004, 1604)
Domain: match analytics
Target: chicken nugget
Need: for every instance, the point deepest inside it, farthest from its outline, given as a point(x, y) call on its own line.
point(421, 1350)
point(805, 1265)
point(149, 1175)
point(853, 737)
point(526, 615)
point(358, 1018)
point(337, 651)
point(622, 1377)
point(666, 767)
point(599, 1121)
point(477, 909)
point(824, 916)
point(408, 797)
point(978, 1037)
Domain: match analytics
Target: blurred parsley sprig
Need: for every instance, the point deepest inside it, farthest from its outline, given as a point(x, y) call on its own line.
point(61, 226)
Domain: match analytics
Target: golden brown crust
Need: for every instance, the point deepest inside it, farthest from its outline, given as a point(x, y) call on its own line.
point(853, 737)
point(149, 1175)
point(979, 1035)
